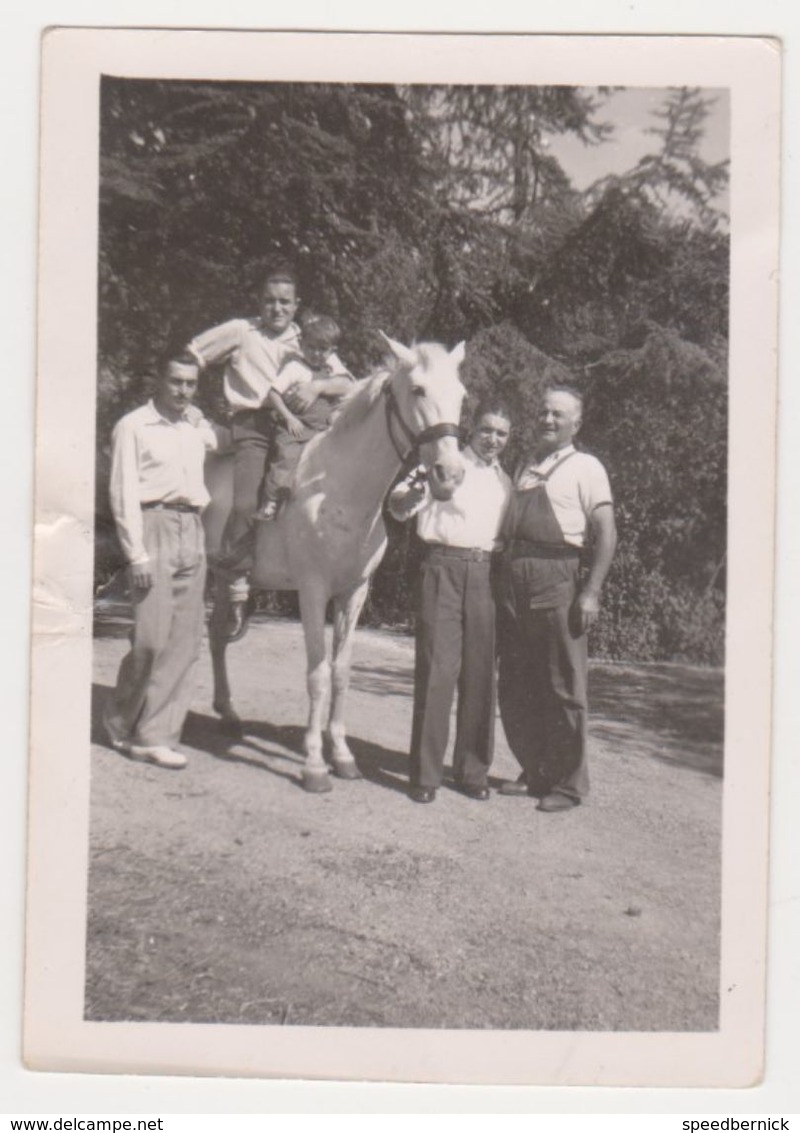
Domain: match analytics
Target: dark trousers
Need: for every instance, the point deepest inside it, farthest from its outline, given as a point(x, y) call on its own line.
point(455, 647)
point(287, 449)
point(250, 433)
point(286, 456)
point(542, 693)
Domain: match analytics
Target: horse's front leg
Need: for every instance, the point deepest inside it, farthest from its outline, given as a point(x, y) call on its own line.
point(346, 612)
point(312, 611)
point(218, 643)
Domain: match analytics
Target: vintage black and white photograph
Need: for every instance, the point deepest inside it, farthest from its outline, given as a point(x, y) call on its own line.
point(408, 428)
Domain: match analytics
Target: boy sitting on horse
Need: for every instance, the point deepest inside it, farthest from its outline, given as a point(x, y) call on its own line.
point(303, 399)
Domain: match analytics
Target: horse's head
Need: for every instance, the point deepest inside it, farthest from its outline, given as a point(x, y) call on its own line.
point(427, 394)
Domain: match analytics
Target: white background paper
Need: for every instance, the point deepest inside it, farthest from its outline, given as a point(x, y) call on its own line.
point(33, 1093)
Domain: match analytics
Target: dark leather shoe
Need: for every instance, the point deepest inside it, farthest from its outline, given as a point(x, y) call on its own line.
point(477, 791)
point(237, 621)
point(514, 787)
point(422, 794)
point(553, 803)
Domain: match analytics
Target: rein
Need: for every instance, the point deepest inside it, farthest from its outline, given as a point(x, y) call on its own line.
point(413, 440)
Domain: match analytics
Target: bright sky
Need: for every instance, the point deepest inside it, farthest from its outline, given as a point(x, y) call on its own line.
point(630, 112)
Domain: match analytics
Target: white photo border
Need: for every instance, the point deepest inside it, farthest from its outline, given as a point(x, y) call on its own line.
point(56, 1035)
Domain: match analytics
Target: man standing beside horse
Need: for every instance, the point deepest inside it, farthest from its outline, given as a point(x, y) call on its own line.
point(561, 509)
point(157, 495)
point(455, 623)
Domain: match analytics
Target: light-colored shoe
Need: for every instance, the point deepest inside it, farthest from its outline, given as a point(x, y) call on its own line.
point(158, 754)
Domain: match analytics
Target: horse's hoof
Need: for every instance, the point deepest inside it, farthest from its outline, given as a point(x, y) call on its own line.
point(317, 782)
point(346, 769)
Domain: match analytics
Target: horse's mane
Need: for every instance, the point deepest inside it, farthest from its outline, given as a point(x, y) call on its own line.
point(366, 392)
point(358, 403)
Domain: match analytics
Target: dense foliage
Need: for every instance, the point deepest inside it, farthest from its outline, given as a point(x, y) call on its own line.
point(442, 213)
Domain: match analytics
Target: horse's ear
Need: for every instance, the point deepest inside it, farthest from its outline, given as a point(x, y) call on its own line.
point(458, 352)
point(402, 353)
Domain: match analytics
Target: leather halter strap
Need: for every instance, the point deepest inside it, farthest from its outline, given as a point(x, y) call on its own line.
point(413, 440)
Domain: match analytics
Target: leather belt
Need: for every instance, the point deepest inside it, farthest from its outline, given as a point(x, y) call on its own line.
point(472, 554)
point(157, 505)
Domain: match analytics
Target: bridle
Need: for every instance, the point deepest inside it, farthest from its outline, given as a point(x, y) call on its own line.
point(413, 440)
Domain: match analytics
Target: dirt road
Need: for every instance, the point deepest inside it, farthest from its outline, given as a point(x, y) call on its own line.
point(225, 893)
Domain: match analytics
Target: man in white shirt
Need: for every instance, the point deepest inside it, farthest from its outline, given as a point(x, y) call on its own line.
point(252, 352)
point(561, 504)
point(157, 495)
point(455, 625)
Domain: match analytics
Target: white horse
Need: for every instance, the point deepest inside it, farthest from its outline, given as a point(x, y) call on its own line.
point(330, 537)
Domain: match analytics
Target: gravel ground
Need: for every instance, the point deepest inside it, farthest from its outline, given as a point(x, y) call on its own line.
point(224, 893)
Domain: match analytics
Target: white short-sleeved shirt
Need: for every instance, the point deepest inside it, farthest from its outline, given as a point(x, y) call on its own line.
point(577, 485)
point(473, 514)
point(252, 358)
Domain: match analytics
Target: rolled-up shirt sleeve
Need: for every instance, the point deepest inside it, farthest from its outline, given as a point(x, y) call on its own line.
point(218, 343)
point(124, 493)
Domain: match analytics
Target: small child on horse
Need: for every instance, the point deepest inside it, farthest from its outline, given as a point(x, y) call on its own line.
point(303, 398)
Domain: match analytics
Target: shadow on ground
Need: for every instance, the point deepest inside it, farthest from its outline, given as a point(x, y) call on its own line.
point(674, 713)
point(220, 896)
point(262, 743)
point(671, 713)
point(385, 680)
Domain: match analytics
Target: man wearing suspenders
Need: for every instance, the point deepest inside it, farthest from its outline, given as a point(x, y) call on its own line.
point(561, 497)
